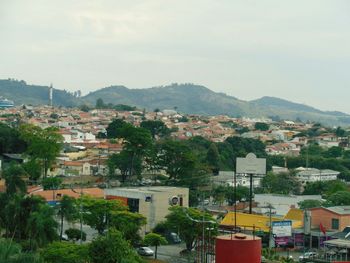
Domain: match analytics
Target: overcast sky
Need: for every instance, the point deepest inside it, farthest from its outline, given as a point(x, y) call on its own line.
point(297, 49)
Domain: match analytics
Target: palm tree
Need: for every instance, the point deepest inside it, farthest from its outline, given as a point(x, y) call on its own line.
point(13, 179)
point(42, 227)
point(66, 210)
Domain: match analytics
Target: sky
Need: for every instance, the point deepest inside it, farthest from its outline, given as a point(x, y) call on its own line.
point(293, 49)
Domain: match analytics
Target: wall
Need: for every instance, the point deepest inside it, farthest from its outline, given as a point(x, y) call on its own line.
point(321, 215)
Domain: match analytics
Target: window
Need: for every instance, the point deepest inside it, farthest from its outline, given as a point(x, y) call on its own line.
point(133, 205)
point(335, 223)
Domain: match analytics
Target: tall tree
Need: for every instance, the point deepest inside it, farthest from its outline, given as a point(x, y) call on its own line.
point(129, 224)
point(98, 212)
point(156, 240)
point(13, 179)
point(66, 210)
point(156, 128)
point(187, 221)
point(112, 248)
point(43, 144)
point(213, 158)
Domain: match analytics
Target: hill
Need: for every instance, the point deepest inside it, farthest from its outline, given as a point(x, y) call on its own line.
point(186, 98)
point(196, 99)
point(22, 93)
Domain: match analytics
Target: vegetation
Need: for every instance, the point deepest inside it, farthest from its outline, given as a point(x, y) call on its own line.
point(153, 239)
point(187, 221)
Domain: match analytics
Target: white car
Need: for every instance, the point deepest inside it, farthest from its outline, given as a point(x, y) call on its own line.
point(307, 255)
point(145, 251)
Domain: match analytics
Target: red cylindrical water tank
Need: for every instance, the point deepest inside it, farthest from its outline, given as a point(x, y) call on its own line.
point(238, 248)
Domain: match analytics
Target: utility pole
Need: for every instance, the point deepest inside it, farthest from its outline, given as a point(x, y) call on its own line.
point(250, 193)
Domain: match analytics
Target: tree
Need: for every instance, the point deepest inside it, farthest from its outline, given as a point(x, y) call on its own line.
point(100, 104)
point(213, 158)
point(261, 126)
point(43, 144)
point(187, 222)
point(114, 129)
point(340, 132)
point(97, 212)
point(156, 128)
point(10, 140)
point(309, 203)
point(176, 158)
point(137, 143)
point(333, 152)
point(242, 194)
point(339, 198)
point(153, 239)
point(112, 248)
point(51, 183)
point(11, 252)
point(32, 168)
point(128, 224)
point(66, 210)
point(13, 179)
point(75, 234)
point(41, 228)
point(324, 188)
point(122, 161)
point(65, 252)
point(283, 183)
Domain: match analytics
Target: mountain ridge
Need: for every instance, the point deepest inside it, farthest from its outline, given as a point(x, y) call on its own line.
point(187, 98)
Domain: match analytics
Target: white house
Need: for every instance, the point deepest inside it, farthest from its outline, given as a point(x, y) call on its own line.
point(309, 175)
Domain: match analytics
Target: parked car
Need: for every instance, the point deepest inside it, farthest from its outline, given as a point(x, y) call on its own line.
point(145, 251)
point(307, 255)
point(173, 238)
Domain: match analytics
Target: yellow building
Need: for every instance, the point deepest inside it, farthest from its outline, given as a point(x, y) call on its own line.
point(262, 222)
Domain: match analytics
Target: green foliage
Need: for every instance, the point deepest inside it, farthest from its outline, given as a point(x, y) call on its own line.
point(13, 179)
point(98, 212)
point(128, 224)
point(51, 183)
point(213, 158)
point(10, 141)
point(75, 234)
point(43, 144)
point(340, 132)
point(66, 210)
point(11, 252)
point(84, 108)
point(333, 152)
point(242, 146)
point(65, 252)
point(123, 107)
point(41, 228)
point(181, 164)
point(112, 248)
point(339, 198)
point(156, 128)
point(309, 203)
point(324, 188)
point(261, 126)
point(153, 239)
point(100, 104)
point(179, 220)
point(226, 193)
point(114, 129)
point(32, 168)
point(283, 183)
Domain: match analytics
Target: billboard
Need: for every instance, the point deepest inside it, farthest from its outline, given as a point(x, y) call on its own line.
point(251, 165)
point(282, 228)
